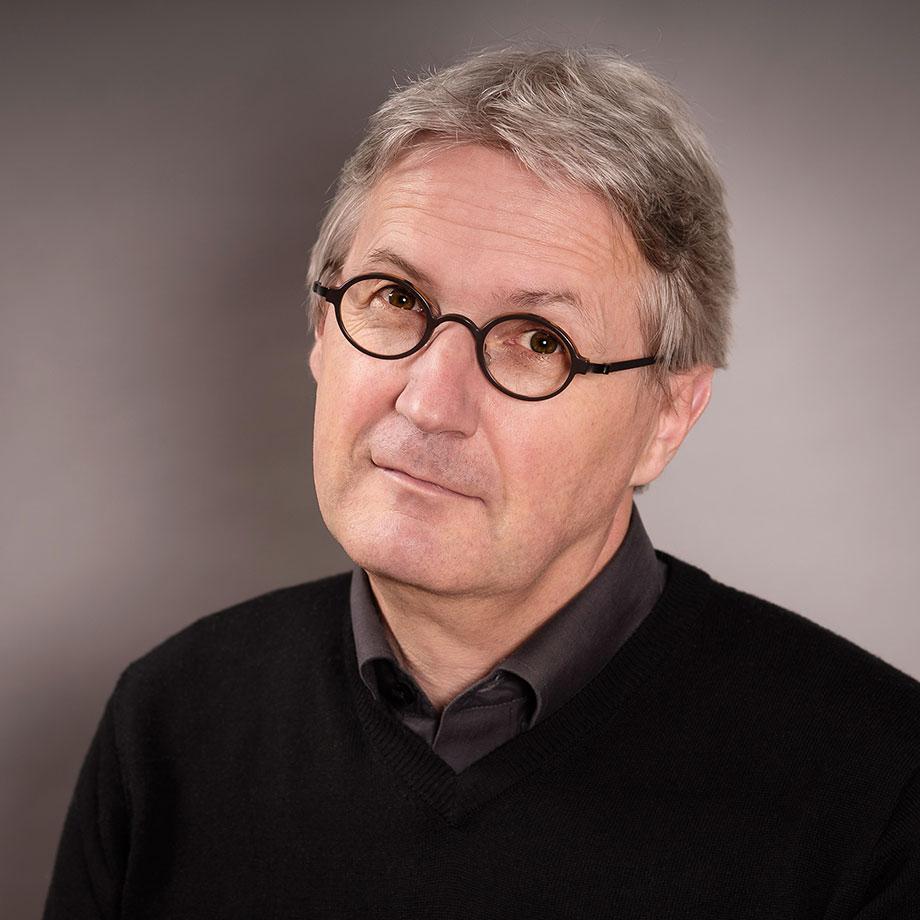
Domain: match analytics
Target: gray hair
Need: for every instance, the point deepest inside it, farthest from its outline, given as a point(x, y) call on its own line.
point(573, 116)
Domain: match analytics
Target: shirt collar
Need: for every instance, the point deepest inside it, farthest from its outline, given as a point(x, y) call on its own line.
point(571, 647)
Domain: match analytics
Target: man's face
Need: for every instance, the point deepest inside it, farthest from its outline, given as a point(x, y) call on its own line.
point(521, 488)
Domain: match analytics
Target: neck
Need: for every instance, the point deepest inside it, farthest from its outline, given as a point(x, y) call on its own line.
point(449, 643)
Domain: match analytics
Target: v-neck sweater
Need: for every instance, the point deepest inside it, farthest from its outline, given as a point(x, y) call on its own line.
point(733, 759)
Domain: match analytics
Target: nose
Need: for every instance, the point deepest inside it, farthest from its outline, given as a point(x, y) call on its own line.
point(444, 384)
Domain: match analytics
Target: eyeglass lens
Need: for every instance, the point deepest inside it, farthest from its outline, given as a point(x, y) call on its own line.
point(387, 320)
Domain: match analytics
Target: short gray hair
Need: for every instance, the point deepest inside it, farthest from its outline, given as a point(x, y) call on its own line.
point(586, 117)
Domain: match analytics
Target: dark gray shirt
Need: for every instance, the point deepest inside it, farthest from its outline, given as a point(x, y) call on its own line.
point(541, 674)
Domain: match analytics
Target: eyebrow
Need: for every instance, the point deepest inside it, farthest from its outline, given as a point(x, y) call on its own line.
point(534, 300)
point(387, 256)
point(516, 300)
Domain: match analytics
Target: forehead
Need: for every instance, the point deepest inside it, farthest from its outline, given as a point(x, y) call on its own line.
point(474, 220)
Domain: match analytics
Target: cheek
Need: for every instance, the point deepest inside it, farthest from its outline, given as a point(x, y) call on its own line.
point(351, 395)
point(352, 383)
point(576, 458)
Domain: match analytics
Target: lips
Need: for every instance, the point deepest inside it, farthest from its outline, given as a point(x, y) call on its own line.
point(412, 475)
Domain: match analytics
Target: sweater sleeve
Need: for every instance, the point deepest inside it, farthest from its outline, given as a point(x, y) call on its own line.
point(893, 888)
point(92, 854)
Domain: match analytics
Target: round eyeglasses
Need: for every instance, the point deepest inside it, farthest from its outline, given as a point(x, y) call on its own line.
point(522, 354)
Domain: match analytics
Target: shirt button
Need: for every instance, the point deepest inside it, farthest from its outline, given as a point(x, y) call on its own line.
point(400, 692)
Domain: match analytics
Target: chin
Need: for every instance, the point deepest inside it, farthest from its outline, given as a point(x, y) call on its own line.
point(418, 543)
point(410, 560)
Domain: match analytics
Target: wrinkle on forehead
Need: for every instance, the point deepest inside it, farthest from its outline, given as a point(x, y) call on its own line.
point(561, 227)
point(541, 239)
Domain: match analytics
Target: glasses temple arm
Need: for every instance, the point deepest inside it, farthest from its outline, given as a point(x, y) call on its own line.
point(587, 367)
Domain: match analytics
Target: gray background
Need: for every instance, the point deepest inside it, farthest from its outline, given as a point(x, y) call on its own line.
point(163, 172)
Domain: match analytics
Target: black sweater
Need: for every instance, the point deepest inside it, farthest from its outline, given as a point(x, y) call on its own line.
point(733, 760)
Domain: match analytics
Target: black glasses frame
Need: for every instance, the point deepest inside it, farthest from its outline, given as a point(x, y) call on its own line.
point(578, 364)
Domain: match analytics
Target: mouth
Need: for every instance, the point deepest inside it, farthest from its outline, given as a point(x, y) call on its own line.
point(419, 484)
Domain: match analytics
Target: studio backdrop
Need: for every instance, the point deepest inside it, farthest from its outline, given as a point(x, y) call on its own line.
point(164, 169)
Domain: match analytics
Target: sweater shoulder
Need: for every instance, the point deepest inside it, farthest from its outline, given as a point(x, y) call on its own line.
point(810, 670)
point(249, 638)
point(795, 635)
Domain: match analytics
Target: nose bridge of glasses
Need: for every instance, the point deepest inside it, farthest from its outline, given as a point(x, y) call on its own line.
point(464, 321)
point(438, 324)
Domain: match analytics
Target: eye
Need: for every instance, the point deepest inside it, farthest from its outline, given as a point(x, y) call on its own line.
point(543, 343)
point(522, 338)
point(400, 298)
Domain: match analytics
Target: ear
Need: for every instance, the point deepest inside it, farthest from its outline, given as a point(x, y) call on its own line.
point(690, 392)
point(316, 350)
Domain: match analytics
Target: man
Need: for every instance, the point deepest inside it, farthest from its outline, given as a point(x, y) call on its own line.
point(514, 706)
